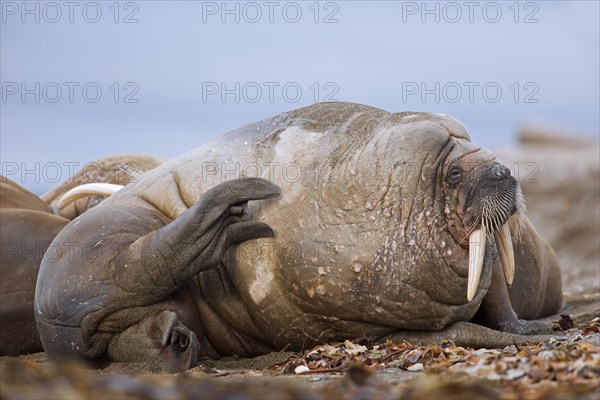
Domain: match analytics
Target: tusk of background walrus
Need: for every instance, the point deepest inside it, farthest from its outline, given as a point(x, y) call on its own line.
point(507, 255)
point(476, 253)
point(89, 189)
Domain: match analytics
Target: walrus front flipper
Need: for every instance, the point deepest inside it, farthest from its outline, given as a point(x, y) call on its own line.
point(466, 334)
point(160, 342)
point(537, 288)
point(502, 324)
point(496, 310)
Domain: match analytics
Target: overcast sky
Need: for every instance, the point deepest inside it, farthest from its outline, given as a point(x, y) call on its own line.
point(167, 76)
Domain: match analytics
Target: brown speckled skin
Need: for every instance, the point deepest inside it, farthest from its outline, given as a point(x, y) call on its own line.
point(369, 241)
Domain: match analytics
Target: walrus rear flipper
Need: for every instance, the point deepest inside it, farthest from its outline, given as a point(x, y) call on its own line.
point(196, 240)
point(133, 258)
point(466, 334)
point(160, 342)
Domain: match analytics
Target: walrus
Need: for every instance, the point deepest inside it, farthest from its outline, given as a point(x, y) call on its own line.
point(330, 222)
point(30, 223)
point(72, 197)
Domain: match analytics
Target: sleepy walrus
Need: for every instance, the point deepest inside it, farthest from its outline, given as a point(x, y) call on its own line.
point(30, 223)
point(365, 223)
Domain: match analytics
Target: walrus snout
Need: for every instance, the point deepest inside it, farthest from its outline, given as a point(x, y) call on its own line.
point(500, 195)
point(495, 197)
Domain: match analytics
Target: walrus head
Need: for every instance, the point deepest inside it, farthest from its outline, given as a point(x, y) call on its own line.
point(94, 193)
point(483, 196)
point(97, 181)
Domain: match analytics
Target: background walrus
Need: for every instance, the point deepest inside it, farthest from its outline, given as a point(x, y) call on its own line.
point(386, 224)
point(30, 223)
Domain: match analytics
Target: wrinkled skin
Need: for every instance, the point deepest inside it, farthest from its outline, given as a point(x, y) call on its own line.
point(29, 224)
point(369, 241)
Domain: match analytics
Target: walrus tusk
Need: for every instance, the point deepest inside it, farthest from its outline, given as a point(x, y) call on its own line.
point(89, 189)
point(476, 254)
point(507, 255)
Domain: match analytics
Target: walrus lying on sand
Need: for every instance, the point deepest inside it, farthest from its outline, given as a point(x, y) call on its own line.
point(30, 223)
point(369, 223)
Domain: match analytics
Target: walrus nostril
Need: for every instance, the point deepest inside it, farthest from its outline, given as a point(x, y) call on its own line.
point(499, 172)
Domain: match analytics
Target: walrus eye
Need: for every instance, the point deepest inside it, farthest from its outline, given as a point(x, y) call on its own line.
point(455, 175)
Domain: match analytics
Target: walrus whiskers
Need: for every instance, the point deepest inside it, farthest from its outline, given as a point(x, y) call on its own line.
point(470, 229)
point(520, 213)
point(494, 220)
